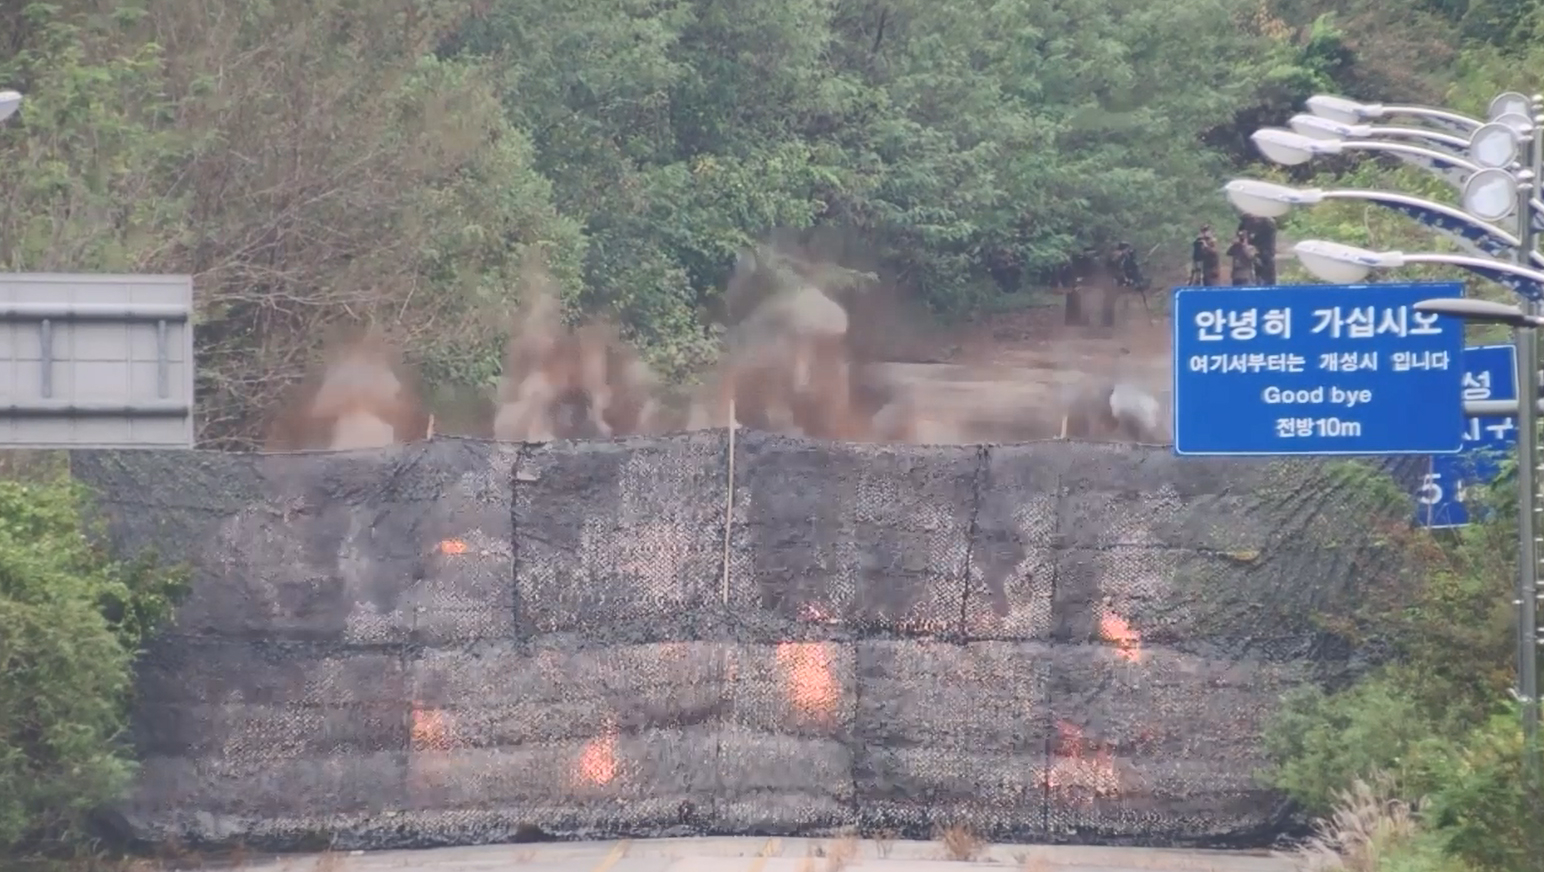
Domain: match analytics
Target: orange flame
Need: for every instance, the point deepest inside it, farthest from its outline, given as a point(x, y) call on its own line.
point(452, 546)
point(431, 729)
point(812, 687)
point(1074, 768)
point(598, 761)
point(1128, 642)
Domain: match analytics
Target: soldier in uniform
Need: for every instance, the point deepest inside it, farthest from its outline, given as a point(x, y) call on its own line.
point(1244, 259)
point(1205, 262)
point(1262, 235)
point(1128, 274)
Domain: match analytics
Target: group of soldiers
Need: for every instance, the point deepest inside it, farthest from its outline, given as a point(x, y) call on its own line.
point(1252, 255)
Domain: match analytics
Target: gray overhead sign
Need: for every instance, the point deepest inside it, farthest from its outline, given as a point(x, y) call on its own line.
point(96, 361)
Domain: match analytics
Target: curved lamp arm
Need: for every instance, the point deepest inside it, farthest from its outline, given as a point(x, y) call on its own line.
point(1319, 127)
point(1457, 142)
point(1453, 169)
point(1270, 200)
point(1442, 117)
point(1349, 111)
point(1478, 237)
point(1349, 265)
point(1290, 148)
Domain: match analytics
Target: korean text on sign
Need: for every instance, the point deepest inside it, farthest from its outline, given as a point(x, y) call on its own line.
point(1314, 370)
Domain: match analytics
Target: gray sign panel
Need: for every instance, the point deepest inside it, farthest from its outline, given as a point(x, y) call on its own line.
point(96, 361)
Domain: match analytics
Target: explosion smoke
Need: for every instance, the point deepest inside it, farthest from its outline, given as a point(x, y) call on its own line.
point(806, 356)
point(569, 384)
point(362, 397)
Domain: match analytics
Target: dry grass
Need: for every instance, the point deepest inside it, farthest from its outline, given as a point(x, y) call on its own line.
point(960, 843)
point(329, 861)
point(842, 852)
point(1033, 861)
point(884, 843)
point(1357, 835)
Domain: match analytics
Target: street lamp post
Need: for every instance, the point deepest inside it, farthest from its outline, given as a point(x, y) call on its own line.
point(1499, 180)
point(1316, 127)
point(1525, 323)
point(1528, 590)
point(1349, 111)
point(1270, 200)
point(1290, 149)
point(1348, 265)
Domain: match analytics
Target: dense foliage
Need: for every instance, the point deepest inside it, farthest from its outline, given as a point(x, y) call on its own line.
point(71, 622)
point(1436, 724)
point(320, 162)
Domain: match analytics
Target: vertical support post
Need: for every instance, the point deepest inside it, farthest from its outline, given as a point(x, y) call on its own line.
point(729, 500)
point(163, 384)
point(46, 358)
point(1528, 393)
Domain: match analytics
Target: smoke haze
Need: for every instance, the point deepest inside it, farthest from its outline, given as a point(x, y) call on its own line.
point(816, 346)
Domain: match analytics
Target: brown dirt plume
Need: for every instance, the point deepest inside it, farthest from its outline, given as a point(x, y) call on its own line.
point(566, 383)
point(818, 344)
point(362, 396)
point(817, 349)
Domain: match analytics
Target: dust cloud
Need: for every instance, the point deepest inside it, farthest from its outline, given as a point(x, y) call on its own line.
point(815, 346)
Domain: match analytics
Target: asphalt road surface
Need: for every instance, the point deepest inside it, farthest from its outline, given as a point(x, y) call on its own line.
point(771, 855)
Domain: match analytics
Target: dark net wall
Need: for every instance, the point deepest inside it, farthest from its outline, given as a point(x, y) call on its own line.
point(459, 642)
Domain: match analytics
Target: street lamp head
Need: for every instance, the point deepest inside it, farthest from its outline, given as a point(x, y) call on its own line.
point(1291, 149)
point(1494, 145)
point(1478, 310)
point(1343, 264)
point(1341, 109)
point(1518, 121)
point(1268, 199)
point(1315, 127)
point(10, 101)
point(1490, 194)
point(1509, 103)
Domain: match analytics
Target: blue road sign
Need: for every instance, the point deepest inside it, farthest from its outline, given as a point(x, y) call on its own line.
point(1317, 370)
point(1490, 373)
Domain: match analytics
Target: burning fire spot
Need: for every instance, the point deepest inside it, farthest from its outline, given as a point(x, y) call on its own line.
point(452, 546)
point(1081, 765)
point(812, 686)
point(1114, 628)
point(431, 729)
point(598, 760)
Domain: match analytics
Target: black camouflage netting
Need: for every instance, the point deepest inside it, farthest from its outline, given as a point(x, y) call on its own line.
point(456, 642)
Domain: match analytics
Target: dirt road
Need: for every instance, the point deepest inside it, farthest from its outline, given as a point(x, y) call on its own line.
point(773, 855)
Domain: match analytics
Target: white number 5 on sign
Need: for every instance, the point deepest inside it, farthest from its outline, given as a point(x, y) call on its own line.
point(1430, 493)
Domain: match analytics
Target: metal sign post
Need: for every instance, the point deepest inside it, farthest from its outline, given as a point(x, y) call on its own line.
point(1316, 370)
point(1490, 373)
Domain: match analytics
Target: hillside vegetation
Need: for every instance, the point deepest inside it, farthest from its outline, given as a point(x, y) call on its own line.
point(322, 162)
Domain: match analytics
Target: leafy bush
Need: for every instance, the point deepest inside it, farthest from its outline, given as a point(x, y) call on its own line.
point(1322, 743)
point(1435, 724)
point(1478, 806)
point(71, 623)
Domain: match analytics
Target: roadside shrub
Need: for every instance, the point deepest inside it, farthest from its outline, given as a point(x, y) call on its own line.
point(1322, 744)
point(72, 621)
point(1478, 806)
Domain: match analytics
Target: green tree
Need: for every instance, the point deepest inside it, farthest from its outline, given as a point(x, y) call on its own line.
point(72, 621)
point(310, 164)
